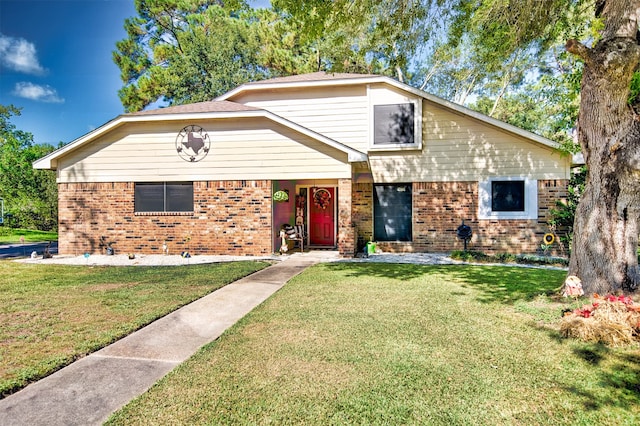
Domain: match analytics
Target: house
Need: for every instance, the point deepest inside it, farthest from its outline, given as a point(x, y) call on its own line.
point(359, 157)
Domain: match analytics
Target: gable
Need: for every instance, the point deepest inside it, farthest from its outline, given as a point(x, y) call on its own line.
point(245, 148)
point(458, 147)
point(338, 112)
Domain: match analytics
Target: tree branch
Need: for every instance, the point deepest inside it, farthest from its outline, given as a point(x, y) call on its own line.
point(575, 47)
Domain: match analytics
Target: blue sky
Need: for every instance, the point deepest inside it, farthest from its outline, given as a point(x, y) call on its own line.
point(56, 64)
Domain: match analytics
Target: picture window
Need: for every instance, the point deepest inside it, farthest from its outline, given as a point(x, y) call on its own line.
point(164, 197)
point(508, 198)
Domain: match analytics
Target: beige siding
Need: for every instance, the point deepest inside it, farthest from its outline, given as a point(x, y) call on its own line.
point(340, 113)
point(460, 148)
point(251, 149)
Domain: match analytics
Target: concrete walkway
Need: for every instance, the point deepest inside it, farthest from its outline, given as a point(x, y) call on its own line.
point(89, 390)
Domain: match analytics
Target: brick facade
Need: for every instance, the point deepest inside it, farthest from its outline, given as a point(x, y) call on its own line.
point(362, 212)
point(346, 230)
point(235, 218)
point(229, 218)
point(440, 207)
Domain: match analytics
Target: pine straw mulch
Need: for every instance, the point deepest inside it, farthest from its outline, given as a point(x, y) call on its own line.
point(611, 320)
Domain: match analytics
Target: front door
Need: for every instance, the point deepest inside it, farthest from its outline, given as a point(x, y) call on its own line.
point(322, 225)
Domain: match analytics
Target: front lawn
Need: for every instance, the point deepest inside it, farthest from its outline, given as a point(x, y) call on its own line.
point(382, 344)
point(15, 236)
point(54, 314)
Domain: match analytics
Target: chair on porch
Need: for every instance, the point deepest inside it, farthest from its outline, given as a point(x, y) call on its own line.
point(293, 233)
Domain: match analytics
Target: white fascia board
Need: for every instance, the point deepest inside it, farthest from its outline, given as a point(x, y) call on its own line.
point(49, 162)
point(402, 86)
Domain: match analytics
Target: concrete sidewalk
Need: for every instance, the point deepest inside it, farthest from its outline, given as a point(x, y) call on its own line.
point(89, 390)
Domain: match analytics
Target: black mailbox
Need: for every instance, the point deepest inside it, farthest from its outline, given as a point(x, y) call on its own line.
point(465, 233)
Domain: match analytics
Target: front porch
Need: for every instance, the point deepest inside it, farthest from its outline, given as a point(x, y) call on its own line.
point(322, 208)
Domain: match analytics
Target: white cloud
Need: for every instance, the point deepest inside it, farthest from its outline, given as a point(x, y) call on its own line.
point(37, 92)
point(19, 55)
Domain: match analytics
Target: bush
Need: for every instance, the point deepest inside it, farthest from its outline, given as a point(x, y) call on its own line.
point(528, 259)
point(469, 256)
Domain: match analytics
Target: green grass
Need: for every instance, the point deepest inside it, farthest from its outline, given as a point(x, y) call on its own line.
point(12, 236)
point(54, 314)
point(400, 344)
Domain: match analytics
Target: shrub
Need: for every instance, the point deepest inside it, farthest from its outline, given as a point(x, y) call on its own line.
point(469, 256)
point(478, 256)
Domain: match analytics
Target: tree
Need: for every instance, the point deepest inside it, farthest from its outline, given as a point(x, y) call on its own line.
point(607, 216)
point(367, 36)
point(182, 51)
point(606, 225)
point(30, 195)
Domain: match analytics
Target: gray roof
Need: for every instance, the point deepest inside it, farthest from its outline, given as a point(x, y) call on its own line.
point(209, 106)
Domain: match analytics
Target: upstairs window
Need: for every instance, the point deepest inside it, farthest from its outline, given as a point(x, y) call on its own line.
point(394, 124)
point(164, 197)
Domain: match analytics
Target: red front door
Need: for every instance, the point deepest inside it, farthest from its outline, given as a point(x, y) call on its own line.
point(322, 229)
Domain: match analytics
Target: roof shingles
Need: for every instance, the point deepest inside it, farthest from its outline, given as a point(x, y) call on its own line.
point(198, 107)
point(315, 76)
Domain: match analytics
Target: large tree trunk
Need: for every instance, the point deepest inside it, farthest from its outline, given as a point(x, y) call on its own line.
point(607, 218)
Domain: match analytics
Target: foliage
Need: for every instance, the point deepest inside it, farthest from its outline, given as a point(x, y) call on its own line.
point(525, 259)
point(99, 306)
point(30, 195)
point(17, 235)
point(181, 51)
point(348, 343)
point(563, 216)
point(611, 320)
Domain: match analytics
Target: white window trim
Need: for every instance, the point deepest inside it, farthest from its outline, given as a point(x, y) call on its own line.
point(417, 126)
point(530, 199)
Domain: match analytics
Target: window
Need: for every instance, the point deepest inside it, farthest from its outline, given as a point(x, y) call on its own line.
point(508, 198)
point(394, 124)
point(164, 197)
point(392, 212)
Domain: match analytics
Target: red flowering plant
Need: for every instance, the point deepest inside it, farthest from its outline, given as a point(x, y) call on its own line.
point(610, 319)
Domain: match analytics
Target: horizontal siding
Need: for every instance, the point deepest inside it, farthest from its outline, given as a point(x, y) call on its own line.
point(257, 150)
point(460, 148)
point(340, 113)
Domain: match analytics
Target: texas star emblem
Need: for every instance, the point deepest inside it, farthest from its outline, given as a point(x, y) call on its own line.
point(193, 143)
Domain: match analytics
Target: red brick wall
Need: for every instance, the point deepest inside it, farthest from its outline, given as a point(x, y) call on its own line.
point(362, 211)
point(231, 217)
point(440, 207)
point(346, 230)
